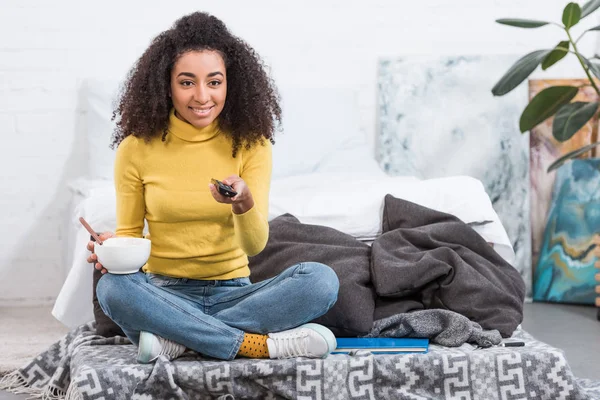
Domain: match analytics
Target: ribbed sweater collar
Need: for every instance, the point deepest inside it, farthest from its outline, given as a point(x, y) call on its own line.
point(188, 132)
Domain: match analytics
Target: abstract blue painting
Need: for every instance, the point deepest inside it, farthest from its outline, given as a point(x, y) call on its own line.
point(565, 269)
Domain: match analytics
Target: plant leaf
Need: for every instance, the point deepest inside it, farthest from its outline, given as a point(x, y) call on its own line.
point(561, 50)
point(572, 154)
point(571, 15)
point(589, 8)
point(545, 104)
point(519, 72)
point(595, 68)
point(522, 23)
point(572, 117)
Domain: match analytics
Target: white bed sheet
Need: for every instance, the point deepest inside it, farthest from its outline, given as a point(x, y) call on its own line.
point(89, 198)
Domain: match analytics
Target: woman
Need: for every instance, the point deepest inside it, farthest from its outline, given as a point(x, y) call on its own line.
point(198, 105)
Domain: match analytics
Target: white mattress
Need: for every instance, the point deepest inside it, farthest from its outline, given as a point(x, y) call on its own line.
point(350, 203)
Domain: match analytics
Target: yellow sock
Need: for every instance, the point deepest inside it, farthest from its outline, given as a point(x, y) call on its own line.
point(254, 346)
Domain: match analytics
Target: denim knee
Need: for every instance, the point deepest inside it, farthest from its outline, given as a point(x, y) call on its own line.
point(325, 283)
point(112, 292)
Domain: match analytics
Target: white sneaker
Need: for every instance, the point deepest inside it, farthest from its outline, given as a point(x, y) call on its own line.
point(151, 346)
point(308, 340)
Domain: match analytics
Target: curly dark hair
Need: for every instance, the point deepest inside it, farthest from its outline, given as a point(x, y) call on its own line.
point(251, 111)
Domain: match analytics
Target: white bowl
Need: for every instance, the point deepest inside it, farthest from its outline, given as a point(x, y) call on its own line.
point(123, 255)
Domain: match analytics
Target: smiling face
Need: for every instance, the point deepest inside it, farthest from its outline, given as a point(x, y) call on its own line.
point(199, 87)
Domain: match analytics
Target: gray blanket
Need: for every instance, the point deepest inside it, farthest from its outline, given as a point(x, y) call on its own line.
point(424, 260)
point(442, 327)
point(83, 365)
point(429, 259)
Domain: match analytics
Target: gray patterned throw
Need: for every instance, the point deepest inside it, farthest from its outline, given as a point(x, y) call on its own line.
point(83, 365)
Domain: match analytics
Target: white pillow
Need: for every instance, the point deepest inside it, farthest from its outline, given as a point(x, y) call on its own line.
point(316, 122)
point(100, 98)
point(355, 205)
point(99, 209)
point(355, 161)
point(344, 202)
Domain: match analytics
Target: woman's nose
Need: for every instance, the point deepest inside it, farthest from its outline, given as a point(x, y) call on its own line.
point(202, 96)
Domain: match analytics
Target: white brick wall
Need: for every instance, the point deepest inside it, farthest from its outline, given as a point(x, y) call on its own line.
point(46, 47)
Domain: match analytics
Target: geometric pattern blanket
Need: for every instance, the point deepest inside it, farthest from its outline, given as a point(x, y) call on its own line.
point(83, 365)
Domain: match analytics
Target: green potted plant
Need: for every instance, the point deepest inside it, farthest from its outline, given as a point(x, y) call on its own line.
point(565, 268)
point(555, 100)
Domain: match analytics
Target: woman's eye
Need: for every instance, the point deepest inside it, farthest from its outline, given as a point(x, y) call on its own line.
point(187, 83)
point(214, 83)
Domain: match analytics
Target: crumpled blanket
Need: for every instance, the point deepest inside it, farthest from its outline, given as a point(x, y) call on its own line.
point(443, 327)
point(426, 259)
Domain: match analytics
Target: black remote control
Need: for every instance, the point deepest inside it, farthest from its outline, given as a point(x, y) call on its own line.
point(224, 189)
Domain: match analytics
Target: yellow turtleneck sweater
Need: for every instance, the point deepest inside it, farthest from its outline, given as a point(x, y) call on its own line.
point(166, 183)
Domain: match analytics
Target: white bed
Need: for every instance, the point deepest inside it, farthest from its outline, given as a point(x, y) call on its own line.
point(323, 173)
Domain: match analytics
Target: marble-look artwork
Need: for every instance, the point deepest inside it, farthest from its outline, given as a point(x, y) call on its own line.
point(565, 270)
point(438, 117)
point(544, 150)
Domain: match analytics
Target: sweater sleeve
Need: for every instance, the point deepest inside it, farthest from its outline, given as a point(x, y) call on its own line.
point(252, 227)
point(129, 190)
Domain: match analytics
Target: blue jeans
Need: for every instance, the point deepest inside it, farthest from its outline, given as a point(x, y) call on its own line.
point(211, 316)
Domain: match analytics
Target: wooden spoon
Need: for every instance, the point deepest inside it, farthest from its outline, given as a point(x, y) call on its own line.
point(90, 230)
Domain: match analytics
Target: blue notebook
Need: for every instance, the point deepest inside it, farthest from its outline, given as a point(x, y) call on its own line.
point(382, 345)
